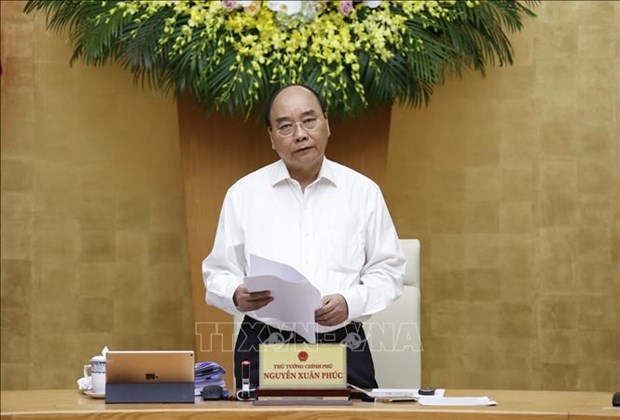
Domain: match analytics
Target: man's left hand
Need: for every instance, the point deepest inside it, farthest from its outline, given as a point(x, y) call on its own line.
point(333, 312)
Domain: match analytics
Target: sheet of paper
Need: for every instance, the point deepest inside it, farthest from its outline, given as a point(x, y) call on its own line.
point(294, 298)
point(455, 401)
point(395, 394)
point(265, 267)
point(401, 392)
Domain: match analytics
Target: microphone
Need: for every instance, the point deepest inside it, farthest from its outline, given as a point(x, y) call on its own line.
point(245, 380)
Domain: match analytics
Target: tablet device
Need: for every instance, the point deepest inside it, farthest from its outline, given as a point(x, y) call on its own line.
point(149, 366)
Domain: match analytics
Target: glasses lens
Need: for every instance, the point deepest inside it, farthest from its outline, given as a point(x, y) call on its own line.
point(286, 130)
point(310, 123)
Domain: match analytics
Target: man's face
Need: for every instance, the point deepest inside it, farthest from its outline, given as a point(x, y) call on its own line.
point(302, 150)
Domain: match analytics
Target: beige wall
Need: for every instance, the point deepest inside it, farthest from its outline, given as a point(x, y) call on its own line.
point(94, 245)
point(511, 182)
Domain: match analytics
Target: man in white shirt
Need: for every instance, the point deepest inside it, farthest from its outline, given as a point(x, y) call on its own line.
point(326, 220)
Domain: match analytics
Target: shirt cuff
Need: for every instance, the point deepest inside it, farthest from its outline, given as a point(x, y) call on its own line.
point(224, 301)
point(229, 293)
point(355, 302)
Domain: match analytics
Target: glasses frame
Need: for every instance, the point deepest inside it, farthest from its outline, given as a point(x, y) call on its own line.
point(297, 123)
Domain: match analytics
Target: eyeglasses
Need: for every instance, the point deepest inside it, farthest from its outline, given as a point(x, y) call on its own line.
point(287, 129)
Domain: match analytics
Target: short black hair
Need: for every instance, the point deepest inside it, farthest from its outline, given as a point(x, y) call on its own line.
point(269, 104)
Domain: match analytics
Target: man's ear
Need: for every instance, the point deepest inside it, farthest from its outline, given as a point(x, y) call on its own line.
point(327, 122)
point(273, 147)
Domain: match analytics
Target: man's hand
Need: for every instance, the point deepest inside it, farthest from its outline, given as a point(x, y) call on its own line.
point(246, 301)
point(333, 312)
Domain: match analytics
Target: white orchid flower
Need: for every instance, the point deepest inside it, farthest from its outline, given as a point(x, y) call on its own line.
point(290, 7)
point(373, 4)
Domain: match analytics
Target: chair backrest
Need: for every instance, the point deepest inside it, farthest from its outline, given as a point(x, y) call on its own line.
point(394, 333)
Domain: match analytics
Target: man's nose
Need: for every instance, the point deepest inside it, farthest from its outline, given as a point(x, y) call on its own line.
point(300, 132)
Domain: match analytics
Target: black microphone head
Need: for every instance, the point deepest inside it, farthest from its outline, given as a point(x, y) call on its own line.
point(212, 392)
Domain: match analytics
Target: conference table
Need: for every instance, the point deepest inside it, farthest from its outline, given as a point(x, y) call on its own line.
point(512, 405)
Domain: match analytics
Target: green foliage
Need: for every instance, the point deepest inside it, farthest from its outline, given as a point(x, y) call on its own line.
point(232, 58)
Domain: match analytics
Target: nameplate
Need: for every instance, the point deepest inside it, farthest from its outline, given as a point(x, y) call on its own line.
point(299, 365)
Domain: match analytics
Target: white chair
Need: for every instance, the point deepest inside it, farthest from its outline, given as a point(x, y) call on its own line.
point(394, 333)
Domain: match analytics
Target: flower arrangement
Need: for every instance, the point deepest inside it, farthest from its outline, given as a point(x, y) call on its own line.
point(231, 54)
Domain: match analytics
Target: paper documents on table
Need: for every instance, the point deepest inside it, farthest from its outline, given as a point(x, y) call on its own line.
point(402, 394)
point(294, 298)
point(395, 394)
point(455, 401)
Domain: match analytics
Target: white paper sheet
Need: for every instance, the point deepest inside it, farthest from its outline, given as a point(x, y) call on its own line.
point(396, 394)
point(401, 392)
point(456, 401)
point(294, 298)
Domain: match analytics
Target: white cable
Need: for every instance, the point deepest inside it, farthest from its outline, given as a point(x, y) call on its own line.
point(240, 393)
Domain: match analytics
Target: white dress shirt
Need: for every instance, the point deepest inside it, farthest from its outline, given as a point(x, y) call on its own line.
point(338, 233)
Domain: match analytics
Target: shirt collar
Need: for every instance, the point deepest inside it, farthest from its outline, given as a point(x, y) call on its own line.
point(280, 173)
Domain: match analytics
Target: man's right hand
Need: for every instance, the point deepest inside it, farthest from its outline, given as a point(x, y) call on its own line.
point(246, 301)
